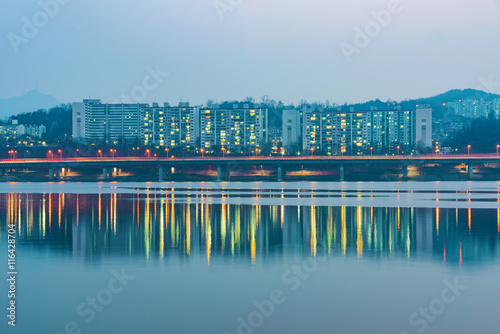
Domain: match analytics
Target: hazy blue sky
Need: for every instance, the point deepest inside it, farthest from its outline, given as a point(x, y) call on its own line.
point(288, 49)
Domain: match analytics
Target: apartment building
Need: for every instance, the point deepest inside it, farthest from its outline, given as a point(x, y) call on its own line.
point(238, 128)
point(363, 132)
point(97, 122)
point(170, 126)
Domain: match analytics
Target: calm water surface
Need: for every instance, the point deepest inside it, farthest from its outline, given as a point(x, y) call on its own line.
point(254, 257)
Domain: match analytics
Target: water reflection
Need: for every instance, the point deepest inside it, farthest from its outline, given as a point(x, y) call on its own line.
point(156, 227)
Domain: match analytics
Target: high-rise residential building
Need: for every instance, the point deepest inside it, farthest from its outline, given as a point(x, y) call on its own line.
point(78, 121)
point(334, 132)
point(337, 132)
point(79, 118)
point(170, 126)
point(291, 130)
point(495, 108)
point(107, 123)
point(113, 123)
point(238, 128)
point(388, 129)
point(475, 108)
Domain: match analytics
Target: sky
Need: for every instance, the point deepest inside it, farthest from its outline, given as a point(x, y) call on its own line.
point(195, 50)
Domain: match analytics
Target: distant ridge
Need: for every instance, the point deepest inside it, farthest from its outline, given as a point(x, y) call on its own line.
point(436, 101)
point(31, 101)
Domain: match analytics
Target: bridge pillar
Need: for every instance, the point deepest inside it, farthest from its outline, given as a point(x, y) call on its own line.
point(405, 172)
point(51, 173)
point(281, 173)
point(161, 174)
point(104, 174)
point(219, 173)
point(342, 173)
point(470, 170)
point(223, 173)
point(58, 173)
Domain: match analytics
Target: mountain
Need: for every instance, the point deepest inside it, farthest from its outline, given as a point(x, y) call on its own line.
point(31, 101)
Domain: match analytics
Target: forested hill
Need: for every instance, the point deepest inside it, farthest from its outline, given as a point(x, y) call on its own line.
point(56, 119)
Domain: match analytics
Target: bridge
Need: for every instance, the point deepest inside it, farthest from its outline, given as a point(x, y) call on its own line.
point(227, 165)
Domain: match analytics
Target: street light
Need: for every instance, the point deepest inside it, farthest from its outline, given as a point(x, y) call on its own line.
point(498, 146)
point(256, 151)
point(371, 150)
point(166, 150)
point(99, 153)
point(112, 151)
point(399, 147)
point(437, 149)
point(148, 153)
point(223, 152)
point(202, 153)
point(50, 155)
point(312, 151)
point(60, 153)
point(468, 149)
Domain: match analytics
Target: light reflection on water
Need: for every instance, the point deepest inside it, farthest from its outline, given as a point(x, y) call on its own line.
point(215, 259)
point(154, 225)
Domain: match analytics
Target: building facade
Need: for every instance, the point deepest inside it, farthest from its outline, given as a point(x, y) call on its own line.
point(170, 126)
point(234, 128)
point(291, 130)
point(15, 130)
point(34, 131)
point(95, 122)
point(475, 108)
point(423, 127)
point(364, 132)
point(334, 132)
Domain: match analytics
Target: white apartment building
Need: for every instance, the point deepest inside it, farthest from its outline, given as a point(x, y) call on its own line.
point(96, 122)
point(31, 130)
point(237, 128)
point(474, 108)
point(170, 126)
point(337, 132)
point(334, 132)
